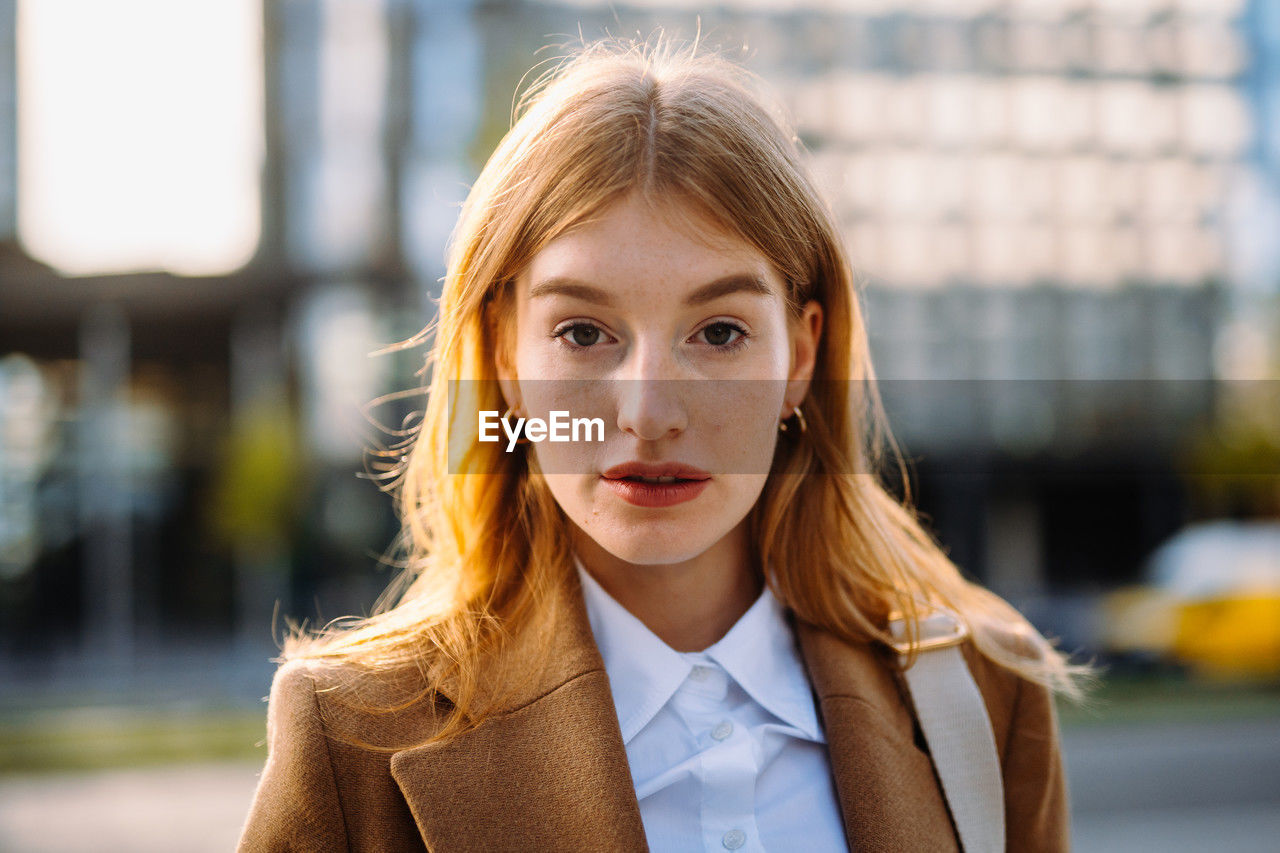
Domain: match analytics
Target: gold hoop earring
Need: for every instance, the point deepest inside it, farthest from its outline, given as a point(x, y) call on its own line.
point(799, 416)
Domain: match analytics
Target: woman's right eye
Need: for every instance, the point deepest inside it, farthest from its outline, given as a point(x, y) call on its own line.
point(580, 335)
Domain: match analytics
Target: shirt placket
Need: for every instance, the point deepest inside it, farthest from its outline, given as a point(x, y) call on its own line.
point(727, 767)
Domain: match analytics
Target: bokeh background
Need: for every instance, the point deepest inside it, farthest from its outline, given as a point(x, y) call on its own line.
point(1065, 213)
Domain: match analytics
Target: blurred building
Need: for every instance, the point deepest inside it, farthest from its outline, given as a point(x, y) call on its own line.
point(1063, 210)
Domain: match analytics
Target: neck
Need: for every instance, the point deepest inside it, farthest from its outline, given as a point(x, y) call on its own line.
point(688, 605)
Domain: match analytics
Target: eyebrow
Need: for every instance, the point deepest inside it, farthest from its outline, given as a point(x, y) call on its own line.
point(748, 283)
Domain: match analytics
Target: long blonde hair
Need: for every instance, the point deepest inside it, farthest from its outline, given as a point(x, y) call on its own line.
point(483, 553)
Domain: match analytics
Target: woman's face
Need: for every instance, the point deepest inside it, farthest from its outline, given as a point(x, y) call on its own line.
point(677, 337)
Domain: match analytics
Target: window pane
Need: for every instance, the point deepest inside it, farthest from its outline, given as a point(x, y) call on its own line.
point(140, 127)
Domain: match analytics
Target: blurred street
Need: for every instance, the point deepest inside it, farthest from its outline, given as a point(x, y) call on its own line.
point(1187, 786)
point(193, 808)
point(1175, 786)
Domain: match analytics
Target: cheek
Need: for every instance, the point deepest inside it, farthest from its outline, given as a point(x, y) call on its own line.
point(743, 491)
point(569, 494)
point(739, 419)
point(581, 418)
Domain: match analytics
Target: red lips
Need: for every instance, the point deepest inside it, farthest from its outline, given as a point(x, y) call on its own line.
point(655, 469)
point(624, 480)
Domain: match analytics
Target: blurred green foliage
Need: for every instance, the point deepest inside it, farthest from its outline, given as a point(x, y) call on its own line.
point(256, 490)
point(97, 738)
point(1137, 699)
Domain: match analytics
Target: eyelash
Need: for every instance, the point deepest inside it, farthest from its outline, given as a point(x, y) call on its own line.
point(735, 345)
point(562, 332)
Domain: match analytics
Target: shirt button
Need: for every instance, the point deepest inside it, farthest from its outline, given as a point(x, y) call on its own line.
point(733, 839)
point(723, 729)
point(700, 673)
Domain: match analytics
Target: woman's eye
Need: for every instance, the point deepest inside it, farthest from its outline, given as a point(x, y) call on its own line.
point(722, 334)
point(581, 334)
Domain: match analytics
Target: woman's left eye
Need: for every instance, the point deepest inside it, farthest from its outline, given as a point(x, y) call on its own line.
point(723, 335)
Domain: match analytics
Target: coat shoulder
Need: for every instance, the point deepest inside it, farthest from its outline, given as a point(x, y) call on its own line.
point(378, 707)
point(332, 728)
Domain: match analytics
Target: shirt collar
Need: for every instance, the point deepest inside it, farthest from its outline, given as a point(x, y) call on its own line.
point(758, 652)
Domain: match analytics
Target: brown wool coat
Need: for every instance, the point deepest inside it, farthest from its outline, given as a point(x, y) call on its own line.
point(551, 772)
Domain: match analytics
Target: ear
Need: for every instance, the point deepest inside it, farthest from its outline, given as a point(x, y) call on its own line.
point(510, 387)
point(806, 333)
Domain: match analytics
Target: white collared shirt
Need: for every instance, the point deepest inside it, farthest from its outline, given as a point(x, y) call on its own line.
point(725, 746)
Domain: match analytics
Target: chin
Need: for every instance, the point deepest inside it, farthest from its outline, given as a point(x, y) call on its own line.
point(649, 556)
point(649, 547)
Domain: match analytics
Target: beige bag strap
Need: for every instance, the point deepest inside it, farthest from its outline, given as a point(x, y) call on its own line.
point(954, 720)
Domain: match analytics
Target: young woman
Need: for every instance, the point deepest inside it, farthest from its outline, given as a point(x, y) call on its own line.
point(673, 632)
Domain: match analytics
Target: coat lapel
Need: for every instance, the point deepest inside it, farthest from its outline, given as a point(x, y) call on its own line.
point(549, 772)
point(889, 795)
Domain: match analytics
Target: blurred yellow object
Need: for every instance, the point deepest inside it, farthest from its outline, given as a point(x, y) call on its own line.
point(1235, 635)
point(255, 492)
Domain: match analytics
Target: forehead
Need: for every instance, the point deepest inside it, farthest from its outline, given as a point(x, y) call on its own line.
point(667, 246)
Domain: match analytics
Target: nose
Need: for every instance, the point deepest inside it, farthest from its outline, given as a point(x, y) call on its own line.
point(650, 404)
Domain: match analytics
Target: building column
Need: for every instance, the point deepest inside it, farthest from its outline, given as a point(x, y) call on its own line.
point(103, 465)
